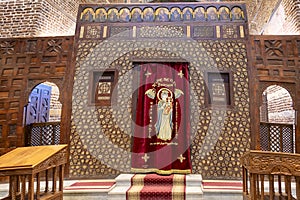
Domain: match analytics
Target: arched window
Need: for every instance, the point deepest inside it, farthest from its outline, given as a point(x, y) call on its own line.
point(42, 115)
point(277, 119)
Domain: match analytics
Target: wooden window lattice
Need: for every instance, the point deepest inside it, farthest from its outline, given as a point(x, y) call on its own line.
point(43, 134)
point(277, 137)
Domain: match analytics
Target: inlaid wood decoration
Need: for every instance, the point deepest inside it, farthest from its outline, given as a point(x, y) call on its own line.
point(210, 37)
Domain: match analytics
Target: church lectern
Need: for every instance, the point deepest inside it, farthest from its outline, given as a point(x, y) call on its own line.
point(27, 165)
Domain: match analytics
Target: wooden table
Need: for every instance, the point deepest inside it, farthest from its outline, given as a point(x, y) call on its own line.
point(24, 165)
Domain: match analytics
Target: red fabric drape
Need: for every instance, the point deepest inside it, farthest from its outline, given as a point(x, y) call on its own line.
point(162, 132)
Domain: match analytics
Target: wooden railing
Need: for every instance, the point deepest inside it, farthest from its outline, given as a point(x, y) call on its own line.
point(271, 175)
point(39, 134)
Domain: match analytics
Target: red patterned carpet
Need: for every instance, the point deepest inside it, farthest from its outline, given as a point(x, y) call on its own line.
point(91, 185)
point(222, 186)
point(156, 187)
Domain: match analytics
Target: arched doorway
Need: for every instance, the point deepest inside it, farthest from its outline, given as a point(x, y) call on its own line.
point(42, 115)
point(277, 120)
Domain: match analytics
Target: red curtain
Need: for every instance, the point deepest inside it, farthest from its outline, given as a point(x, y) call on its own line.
point(161, 141)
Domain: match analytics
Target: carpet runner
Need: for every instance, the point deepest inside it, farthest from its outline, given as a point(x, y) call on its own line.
point(156, 187)
point(91, 186)
point(229, 186)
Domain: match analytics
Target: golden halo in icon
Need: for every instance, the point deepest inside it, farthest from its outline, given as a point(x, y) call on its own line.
point(164, 90)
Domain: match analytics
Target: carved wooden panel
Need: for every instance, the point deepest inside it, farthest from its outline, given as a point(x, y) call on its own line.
point(270, 175)
point(275, 61)
point(260, 162)
point(24, 63)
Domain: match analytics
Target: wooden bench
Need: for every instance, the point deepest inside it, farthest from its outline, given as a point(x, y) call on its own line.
point(28, 165)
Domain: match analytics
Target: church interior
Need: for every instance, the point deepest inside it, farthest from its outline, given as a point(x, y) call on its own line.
point(186, 99)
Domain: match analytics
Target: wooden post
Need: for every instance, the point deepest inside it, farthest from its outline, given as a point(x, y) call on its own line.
point(23, 187)
point(13, 187)
point(257, 185)
point(288, 187)
point(297, 187)
point(262, 185)
point(47, 181)
point(253, 186)
point(245, 181)
point(54, 175)
point(271, 185)
point(38, 186)
point(31, 187)
point(279, 185)
point(61, 177)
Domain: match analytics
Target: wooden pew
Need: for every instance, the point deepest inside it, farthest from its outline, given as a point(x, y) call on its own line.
point(27, 166)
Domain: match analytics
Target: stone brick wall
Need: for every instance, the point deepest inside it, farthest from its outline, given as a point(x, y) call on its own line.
point(18, 18)
point(280, 105)
point(24, 18)
point(57, 18)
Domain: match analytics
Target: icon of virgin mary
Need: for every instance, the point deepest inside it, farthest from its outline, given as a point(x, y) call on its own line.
point(164, 123)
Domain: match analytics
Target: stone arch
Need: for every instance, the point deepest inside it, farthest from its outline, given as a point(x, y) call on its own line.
point(278, 105)
point(290, 87)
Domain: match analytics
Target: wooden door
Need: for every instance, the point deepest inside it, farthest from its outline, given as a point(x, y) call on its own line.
point(37, 110)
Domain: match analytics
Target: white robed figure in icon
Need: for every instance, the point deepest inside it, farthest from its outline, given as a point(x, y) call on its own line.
point(164, 124)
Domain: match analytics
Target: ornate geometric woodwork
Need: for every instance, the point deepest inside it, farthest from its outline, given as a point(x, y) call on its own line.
point(25, 63)
point(38, 134)
point(275, 61)
point(276, 137)
point(100, 139)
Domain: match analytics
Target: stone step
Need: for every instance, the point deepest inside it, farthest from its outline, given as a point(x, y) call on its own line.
point(193, 180)
point(124, 179)
point(194, 189)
